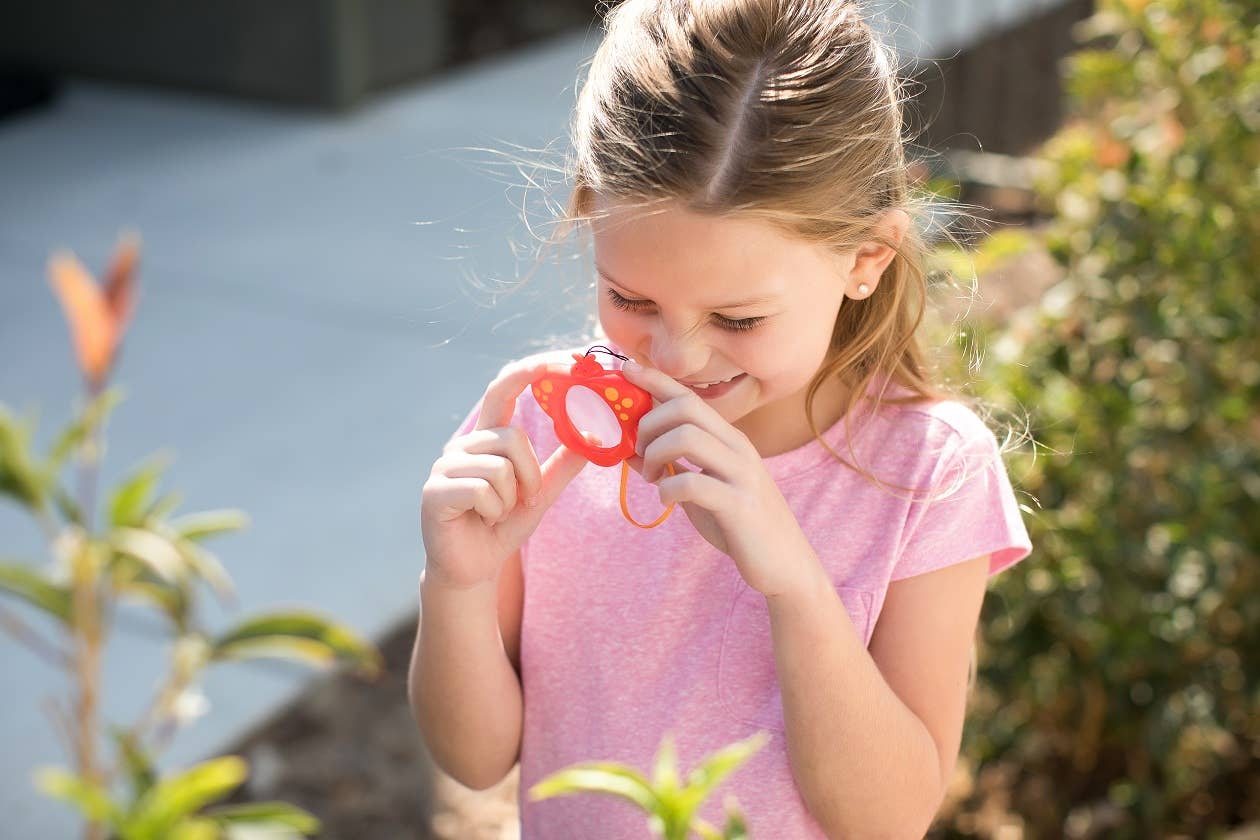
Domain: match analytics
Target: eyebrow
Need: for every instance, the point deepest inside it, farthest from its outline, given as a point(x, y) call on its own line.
point(753, 301)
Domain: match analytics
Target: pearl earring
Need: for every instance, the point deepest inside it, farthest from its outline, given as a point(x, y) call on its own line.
point(863, 289)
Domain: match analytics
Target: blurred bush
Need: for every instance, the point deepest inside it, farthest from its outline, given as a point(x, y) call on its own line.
point(1119, 692)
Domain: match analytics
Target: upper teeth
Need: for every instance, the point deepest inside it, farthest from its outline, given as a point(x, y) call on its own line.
point(708, 384)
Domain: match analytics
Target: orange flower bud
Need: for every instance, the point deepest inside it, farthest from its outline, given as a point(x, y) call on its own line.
point(97, 319)
point(120, 283)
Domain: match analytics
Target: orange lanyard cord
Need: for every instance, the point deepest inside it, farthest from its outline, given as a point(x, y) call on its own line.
point(625, 475)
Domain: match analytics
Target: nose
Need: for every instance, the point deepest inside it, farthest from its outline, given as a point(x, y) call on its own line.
point(678, 352)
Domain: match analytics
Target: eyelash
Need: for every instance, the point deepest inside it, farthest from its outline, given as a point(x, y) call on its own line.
point(726, 323)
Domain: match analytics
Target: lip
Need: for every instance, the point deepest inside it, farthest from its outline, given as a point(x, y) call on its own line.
point(715, 391)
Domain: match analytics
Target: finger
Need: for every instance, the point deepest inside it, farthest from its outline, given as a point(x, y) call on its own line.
point(499, 402)
point(659, 384)
point(636, 464)
point(688, 409)
point(705, 491)
point(495, 470)
point(690, 442)
point(512, 443)
point(561, 468)
point(685, 405)
point(460, 495)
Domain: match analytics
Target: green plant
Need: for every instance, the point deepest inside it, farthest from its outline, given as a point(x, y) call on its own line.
point(671, 806)
point(1118, 690)
point(139, 554)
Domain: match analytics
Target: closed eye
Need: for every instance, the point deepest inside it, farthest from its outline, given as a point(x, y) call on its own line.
point(735, 325)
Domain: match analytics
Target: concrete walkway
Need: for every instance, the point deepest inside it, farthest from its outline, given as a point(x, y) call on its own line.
point(314, 319)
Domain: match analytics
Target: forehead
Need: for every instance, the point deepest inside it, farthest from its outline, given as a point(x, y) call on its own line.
point(664, 246)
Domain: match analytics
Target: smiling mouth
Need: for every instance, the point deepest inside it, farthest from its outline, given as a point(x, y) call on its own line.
point(711, 384)
point(704, 384)
point(717, 389)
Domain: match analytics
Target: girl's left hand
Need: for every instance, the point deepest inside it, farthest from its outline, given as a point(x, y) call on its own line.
point(732, 501)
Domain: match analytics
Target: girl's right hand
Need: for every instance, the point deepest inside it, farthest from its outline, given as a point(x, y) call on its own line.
point(476, 509)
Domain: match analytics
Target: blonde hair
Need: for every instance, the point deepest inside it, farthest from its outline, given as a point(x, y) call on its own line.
point(784, 111)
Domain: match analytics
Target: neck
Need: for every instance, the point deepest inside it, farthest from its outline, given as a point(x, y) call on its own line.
point(783, 426)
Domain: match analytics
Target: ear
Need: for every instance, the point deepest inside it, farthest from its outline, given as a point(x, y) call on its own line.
point(873, 256)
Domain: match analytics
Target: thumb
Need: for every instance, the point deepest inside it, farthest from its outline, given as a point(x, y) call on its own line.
point(559, 469)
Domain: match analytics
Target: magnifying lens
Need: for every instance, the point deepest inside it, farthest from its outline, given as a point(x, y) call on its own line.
point(587, 398)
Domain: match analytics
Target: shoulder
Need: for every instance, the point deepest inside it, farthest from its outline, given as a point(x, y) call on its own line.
point(946, 426)
point(920, 445)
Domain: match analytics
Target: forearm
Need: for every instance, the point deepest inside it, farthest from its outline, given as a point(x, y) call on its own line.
point(465, 694)
point(866, 765)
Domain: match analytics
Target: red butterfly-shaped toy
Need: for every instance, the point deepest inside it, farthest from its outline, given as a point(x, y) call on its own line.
point(626, 402)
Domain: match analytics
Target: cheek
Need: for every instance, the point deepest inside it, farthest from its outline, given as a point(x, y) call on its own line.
point(784, 360)
point(617, 324)
point(756, 353)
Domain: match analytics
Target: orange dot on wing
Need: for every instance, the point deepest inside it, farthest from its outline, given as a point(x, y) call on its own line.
point(624, 416)
point(627, 402)
point(547, 385)
point(610, 393)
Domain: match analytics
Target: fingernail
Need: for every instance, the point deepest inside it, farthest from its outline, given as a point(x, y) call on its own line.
point(631, 364)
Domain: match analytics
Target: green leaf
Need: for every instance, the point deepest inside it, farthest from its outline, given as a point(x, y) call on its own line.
point(194, 829)
point(131, 499)
point(88, 797)
point(136, 762)
point(73, 436)
point(172, 799)
point(187, 532)
point(206, 566)
point(151, 549)
point(168, 598)
point(599, 777)
point(164, 505)
point(298, 635)
point(279, 814)
point(133, 579)
point(1005, 245)
point(665, 770)
point(19, 478)
point(706, 831)
point(68, 507)
point(36, 589)
point(719, 765)
point(199, 526)
point(736, 828)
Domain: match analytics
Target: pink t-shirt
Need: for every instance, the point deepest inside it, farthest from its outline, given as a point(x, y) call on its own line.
point(628, 634)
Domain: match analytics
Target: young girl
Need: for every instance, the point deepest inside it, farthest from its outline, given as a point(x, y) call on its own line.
point(740, 165)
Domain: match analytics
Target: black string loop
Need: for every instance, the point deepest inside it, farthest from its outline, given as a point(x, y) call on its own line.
point(602, 349)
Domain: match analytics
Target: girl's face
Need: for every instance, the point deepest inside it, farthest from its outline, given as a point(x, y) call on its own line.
point(706, 299)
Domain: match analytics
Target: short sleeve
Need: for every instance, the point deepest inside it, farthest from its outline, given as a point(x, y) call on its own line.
point(969, 511)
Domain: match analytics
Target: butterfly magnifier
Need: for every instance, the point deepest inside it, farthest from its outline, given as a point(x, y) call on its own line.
point(587, 397)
